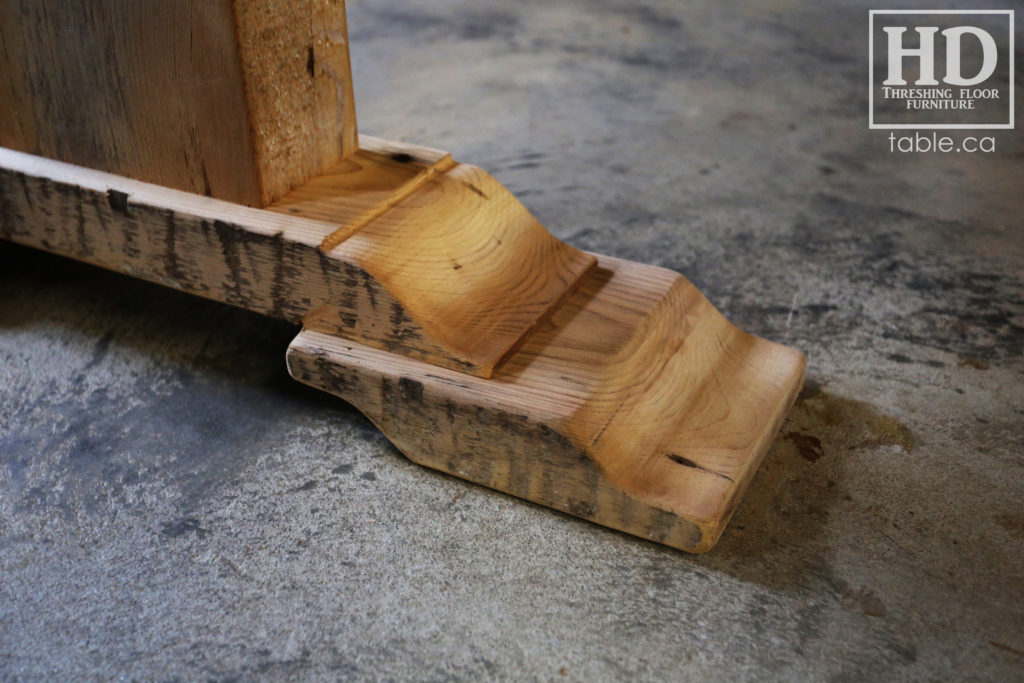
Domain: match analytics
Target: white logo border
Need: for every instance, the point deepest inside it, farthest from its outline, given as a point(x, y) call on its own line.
point(933, 126)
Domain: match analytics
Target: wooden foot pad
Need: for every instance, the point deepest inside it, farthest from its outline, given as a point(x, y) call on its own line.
point(476, 341)
point(637, 406)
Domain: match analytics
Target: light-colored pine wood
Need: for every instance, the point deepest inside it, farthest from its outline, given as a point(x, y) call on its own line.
point(446, 240)
point(615, 393)
point(637, 406)
point(469, 263)
point(364, 185)
point(438, 276)
point(430, 297)
point(298, 83)
point(242, 100)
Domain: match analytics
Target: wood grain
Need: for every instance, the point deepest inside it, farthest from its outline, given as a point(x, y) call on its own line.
point(364, 185)
point(437, 275)
point(446, 240)
point(236, 99)
point(469, 263)
point(478, 343)
point(638, 406)
point(430, 297)
point(298, 84)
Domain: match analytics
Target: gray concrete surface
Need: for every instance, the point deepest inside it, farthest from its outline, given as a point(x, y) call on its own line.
point(172, 506)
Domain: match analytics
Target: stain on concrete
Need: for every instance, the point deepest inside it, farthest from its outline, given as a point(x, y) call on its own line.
point(1006, 648)
point(183, 527)
point(808, 446)
point(975, 363)
point(865, 601)
point(1012, 522)
point(308, 486)
point(801, 483)
point(907, 360)
point(888, 431)
point(822, 423)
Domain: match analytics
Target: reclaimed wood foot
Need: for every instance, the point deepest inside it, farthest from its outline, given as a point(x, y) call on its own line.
point(429, 297)
point(478, 343)
point(637, 406)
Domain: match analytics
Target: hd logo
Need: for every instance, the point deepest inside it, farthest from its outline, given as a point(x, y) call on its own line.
point(941, 69)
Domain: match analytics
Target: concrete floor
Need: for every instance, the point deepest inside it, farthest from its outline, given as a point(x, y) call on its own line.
point(173, 506)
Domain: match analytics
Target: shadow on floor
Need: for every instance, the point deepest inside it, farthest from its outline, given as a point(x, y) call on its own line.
point(142, 383)
point(776, 536)
point(773, 539)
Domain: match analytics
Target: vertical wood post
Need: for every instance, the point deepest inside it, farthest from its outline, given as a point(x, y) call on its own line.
point(241, 100)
